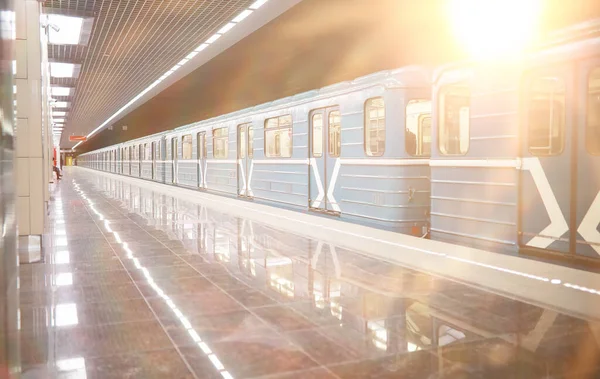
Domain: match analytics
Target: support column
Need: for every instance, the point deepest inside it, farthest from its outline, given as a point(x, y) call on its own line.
point(31, 176)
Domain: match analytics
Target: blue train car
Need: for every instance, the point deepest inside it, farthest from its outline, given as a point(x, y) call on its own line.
point(517, 163)
point(358, 150)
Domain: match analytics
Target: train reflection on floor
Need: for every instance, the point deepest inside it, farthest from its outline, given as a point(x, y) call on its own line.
point(239, 299)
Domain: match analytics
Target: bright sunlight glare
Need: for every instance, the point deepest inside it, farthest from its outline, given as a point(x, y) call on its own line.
point(492, 29)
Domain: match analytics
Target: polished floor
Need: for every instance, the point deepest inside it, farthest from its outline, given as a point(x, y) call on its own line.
point(139, 284)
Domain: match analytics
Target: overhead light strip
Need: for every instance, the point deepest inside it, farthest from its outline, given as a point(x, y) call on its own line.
point(237, 19)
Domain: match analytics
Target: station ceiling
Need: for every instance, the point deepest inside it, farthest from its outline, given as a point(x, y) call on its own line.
point(311, 45)
point(132, 43)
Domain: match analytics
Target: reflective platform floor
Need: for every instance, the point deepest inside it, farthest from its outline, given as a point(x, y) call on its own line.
point(138, 284)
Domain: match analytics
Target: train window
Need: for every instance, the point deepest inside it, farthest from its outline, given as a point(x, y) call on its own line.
point(250, 141)
point(186, 145)
point(454, 127)
point(278, 137)
point(375, 127)
point(317, 134)
point(592, 134)
point(221, 143)
point(417, 139)
point(335, 130)
point(546, 116)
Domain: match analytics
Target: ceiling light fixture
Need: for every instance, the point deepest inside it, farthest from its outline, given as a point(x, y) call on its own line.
point(58, 113)
point(257, 4)
point(243, 15)
point(61, 104)
point(69, 29)
point(62, 70)
point(226, 28)
point(60, 120)
point(201, 47)
point(214, 37)
point(60, 91)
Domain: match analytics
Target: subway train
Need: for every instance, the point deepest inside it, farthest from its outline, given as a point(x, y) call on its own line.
point(503, 156)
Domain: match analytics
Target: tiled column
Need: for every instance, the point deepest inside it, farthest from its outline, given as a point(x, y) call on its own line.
point(31, 172)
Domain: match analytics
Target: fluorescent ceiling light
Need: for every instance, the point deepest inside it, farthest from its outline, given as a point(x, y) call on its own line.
point(61, 70)
point(59, 120)
point(242, 16)
point(55, 113)
point(257, 4)
point(191, 55)
point(60, 91)
point(61, 104)
point(69, 32)
point(183, 61)
point(226, 28)
point(201, 47)
point(212, 39)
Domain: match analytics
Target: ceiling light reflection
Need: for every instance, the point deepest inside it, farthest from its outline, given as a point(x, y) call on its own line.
point(66, 314)
point(64, 279)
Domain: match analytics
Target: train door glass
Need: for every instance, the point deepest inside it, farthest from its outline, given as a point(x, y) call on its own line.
point(587, 173)
point(157, 158)
point(245, 152)
point(174, 155)
point(153, 157)
point(201, 156)
point(546, 176)
point(141, 153)
point(325, 148)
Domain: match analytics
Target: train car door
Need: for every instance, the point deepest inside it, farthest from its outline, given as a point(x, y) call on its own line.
point(201, 156)
point(546, 183)
point(245, 138)
point(153, 157)
point(587, 153)
point(174, 155)
point(325, 149)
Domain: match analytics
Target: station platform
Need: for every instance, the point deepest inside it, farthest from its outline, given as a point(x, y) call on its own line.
point(144, 280)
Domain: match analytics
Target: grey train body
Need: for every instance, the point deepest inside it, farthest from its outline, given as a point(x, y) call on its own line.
point(503, 156)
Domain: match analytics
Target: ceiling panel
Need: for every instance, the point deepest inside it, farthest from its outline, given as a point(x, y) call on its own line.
point(132, 44)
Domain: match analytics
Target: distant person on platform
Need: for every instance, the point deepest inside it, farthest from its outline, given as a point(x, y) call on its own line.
point(57, 170)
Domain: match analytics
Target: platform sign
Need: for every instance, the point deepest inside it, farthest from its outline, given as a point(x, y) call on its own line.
point(77, 138)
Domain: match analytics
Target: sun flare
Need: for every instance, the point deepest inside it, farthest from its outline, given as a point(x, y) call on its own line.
point(493, 29)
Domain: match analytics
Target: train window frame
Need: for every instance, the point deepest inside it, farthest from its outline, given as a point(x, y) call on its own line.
point(220, 138)
point(337, 150)
point(592, 71)
point(367, 128)
point(189, 144)
point(419, 137)
point(527, 116)
point(278, 131)
point(441, 110)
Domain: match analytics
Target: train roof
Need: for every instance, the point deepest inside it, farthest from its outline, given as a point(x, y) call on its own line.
point(406, 77)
